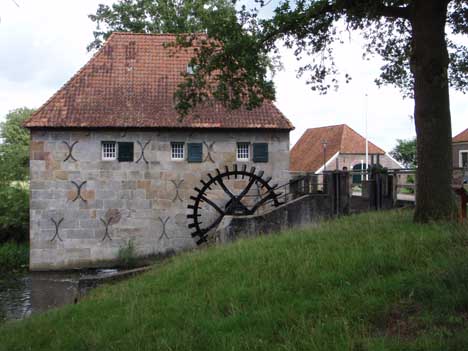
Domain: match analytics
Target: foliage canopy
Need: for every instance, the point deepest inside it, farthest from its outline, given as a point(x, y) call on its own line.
point(417, 39)
point(245, 45)
point(312, 29)
point(155, 16)
point(405, 152)
point(14, 149)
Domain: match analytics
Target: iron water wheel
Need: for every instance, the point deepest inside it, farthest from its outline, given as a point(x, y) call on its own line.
point(217, 195)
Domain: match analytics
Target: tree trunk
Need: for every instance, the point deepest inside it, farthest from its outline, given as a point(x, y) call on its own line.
point(429, 63)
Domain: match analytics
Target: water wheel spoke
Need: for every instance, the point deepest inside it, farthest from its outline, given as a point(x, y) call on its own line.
point(224, 187)
point(230, 203)
point(212, 204)
point(247, 189)
point(212, 225)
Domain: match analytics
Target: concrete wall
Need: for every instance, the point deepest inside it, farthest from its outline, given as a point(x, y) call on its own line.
point(304, 211)
point(146, 201)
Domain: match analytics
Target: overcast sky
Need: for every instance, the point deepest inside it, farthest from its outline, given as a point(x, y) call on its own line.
point(43, 43)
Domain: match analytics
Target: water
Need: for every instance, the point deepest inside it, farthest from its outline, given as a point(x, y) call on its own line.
point(24, 294)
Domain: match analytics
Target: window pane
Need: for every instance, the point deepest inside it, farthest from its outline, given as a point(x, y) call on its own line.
point(242, 151)
point(464, 159)
point(177, 151)
point(109, 150)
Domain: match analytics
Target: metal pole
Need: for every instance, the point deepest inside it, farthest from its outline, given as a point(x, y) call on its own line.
point(362, 170)
point(324, 158)
point(324, 144)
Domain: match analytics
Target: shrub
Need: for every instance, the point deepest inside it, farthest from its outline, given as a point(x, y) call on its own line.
point(127, 255)
point(14, 214)
point(13, 256)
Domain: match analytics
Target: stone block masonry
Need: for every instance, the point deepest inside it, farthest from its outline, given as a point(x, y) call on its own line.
point(84, 208)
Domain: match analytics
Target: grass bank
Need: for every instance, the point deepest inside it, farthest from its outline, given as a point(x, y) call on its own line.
point(13, 257)
point(366, 282)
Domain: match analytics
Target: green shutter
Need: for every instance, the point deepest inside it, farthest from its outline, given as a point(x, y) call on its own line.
point(195, 152)
point(125, 151)
point(260, 152)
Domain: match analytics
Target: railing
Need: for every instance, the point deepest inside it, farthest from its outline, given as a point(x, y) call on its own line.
point(404, 181)
point(308, 184)
point(399, 184)
point(299, 185)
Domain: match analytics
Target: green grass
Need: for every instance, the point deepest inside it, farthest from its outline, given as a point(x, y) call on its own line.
point(13, 257)
point(406, 191)
point(366, 282)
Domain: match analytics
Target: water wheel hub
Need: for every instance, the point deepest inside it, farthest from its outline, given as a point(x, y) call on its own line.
point(216, 195)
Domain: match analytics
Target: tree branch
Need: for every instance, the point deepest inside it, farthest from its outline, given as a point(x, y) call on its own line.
point(285, 27)
point(393, 11)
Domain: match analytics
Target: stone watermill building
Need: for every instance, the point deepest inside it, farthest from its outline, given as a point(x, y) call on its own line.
point(112, 162)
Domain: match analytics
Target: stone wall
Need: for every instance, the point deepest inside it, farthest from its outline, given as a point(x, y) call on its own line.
point(350, 160)
point(84, 209)
point(456, 148)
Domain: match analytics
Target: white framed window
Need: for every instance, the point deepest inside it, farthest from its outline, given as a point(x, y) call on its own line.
point(177, 151)
point(109, 150)
point(463, 158)
point(243, 153)
point(190, 69)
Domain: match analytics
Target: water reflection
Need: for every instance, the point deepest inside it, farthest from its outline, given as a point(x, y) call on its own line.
point(15, 297)
point(24, 294)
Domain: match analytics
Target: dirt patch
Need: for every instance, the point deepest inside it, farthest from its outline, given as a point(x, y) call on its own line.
point(403, 321)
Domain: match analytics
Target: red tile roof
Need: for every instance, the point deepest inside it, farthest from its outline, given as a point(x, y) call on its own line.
point(462, 137)
point(130, 82)
point(307, 154)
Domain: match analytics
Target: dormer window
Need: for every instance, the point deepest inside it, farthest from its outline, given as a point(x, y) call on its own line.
point(191, 69)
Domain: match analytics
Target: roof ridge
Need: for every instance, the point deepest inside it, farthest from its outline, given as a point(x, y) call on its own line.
point(330, 126)
point(153, 34)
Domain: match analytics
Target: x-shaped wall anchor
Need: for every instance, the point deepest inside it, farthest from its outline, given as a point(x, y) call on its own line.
point(209, 148)
point(78, 191)
point(70, 151)
point(163, 222)
point(57, 225)
point(107, 224)
point(142, 155)
point(177, 187)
